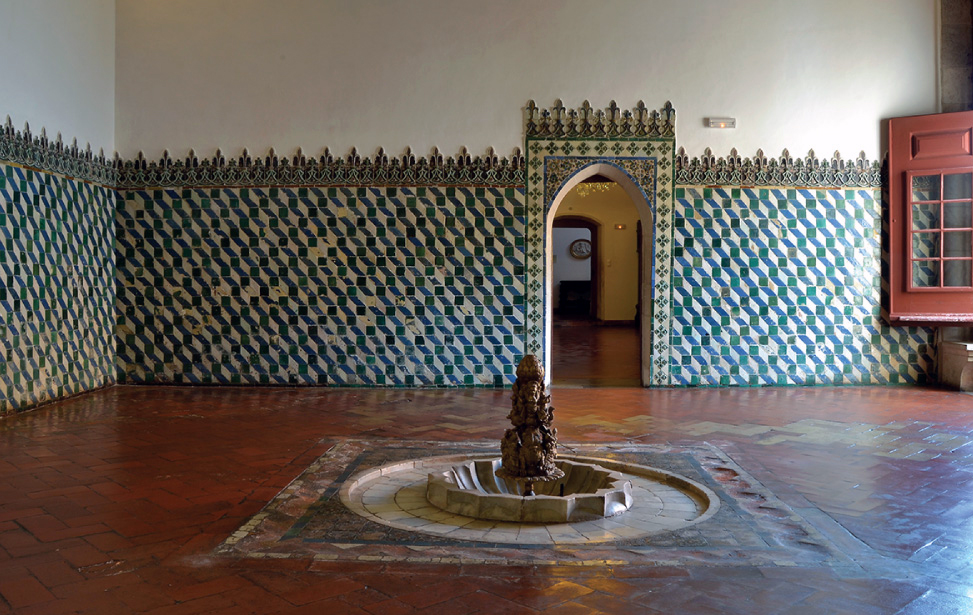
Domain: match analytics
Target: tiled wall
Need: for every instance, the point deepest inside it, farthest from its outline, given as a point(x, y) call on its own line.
point(411, 286)
point(780, 286)
point(57, 287)
point(423, 287)
point(407, 286)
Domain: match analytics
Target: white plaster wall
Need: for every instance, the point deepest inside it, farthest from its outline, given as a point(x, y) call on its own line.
point(59, 68)
point(419, 73)
point(566, 267)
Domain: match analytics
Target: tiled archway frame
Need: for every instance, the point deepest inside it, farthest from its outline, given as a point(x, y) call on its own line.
point(560, 143)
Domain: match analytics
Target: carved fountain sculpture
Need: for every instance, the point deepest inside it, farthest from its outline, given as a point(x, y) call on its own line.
point(529, 448)
point(504, 489)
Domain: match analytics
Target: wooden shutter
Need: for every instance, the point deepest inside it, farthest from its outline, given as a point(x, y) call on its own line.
point(930, 216)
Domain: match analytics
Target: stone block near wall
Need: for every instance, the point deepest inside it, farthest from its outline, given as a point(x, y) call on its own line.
point(956, 365)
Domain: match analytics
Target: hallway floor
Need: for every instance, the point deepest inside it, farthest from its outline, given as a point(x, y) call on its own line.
point(116, 502)
point(586, 354)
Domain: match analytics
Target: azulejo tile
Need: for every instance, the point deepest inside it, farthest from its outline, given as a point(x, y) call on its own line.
point(57, 287)
point(341, 280)
point(781, 286)
point(406, 286)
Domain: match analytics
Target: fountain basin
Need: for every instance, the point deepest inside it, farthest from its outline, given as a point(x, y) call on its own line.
point(586, 491)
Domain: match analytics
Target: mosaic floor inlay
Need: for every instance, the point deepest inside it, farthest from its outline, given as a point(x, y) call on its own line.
point(308, 519)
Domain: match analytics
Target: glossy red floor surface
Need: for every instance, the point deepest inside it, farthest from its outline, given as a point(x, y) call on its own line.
point(114, 501)
point(588, 355)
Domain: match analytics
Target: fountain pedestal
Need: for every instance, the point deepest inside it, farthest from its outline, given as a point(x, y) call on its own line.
point(529, 448)
point(528, 483)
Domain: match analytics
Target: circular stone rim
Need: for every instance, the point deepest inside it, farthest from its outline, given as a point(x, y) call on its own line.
point(612, 497)
point(702, 492)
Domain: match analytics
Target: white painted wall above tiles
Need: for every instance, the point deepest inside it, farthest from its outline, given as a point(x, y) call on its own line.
point(423, 73)
point(59, 68)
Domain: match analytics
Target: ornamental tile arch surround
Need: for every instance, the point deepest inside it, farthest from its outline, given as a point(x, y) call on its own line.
point(560, 144)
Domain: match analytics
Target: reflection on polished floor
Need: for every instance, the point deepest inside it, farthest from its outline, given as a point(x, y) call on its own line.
point(117, 502)
point(586, 354)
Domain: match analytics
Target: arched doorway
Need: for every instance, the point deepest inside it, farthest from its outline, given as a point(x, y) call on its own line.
point(643, 295)
point(595, 338)
point(634, 148)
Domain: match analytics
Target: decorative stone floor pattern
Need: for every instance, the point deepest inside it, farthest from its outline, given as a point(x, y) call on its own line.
point(326, 514)
point(886, 440)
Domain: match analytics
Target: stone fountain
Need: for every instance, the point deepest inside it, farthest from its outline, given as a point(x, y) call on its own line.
point(529, 483)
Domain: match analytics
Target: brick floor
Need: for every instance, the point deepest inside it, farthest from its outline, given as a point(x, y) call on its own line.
point(113, 502)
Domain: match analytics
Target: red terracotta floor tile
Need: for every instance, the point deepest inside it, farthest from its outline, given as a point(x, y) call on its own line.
point(390, 606)
point(113, 502)
point(24, 592)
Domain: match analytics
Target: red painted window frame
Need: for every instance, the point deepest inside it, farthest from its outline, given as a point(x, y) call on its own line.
point(923, 145)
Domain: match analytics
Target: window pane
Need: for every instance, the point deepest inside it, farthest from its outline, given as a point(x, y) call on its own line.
point(957, 243)
point(957, 273)
point(925, 274)
point(958, 186)
point(925, 187)
point(925, 245)
point(958, 215)
point(925, 216)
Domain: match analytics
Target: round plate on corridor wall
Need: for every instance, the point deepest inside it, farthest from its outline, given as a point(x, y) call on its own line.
point(580, 248)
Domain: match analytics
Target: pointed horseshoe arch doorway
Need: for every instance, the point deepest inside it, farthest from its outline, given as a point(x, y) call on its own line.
point(636, 150)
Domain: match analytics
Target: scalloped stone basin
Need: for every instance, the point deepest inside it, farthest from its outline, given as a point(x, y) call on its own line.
point(586, 491)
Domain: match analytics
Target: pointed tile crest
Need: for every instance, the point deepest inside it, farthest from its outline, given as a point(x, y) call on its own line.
point(40, 152)
point(350, 170)
point(811, 171)
point(587, 122)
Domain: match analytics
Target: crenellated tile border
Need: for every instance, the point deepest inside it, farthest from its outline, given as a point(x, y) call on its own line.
point(557, 123)
point(325, 170)
point(809, 172)
point(53, 156)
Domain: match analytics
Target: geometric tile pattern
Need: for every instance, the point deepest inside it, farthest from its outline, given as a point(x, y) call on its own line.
point(648, 163)
point(57, 287)
point(379, 286)
point(781, 286)
point(437, 285)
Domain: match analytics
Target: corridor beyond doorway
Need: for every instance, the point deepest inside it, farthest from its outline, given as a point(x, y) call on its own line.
point(592, 355)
